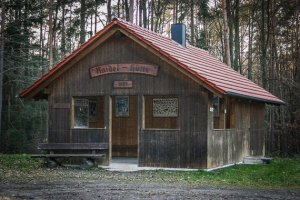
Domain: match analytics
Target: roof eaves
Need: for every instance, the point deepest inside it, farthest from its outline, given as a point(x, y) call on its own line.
point(279, 102)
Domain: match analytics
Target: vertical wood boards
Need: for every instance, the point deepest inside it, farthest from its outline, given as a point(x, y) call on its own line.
point(242, 126)
point(159, 122)
point(184, 147)
point(125, 130)
point(257, 130)
point(232, 145)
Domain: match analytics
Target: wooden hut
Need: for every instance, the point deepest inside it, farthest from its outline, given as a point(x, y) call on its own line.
point(132, 92)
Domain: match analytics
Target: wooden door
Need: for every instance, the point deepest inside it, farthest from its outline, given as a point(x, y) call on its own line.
point(125, 126)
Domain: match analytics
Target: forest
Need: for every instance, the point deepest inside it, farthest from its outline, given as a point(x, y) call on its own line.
point(257, 38)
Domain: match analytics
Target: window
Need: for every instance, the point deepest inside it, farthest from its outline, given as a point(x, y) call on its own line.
point(161, 112)
point(88, 112)
point(81, 110)
point(216, 106)
point(223, 113)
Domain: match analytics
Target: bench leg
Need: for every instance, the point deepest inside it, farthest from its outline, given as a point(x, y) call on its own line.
point(52, 162)
point(87, 163)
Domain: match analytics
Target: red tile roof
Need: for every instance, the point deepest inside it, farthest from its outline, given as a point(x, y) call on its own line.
point(195, 61)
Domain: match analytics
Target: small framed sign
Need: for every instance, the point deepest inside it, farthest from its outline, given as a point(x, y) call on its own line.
point(122, 106)
point(123, 84)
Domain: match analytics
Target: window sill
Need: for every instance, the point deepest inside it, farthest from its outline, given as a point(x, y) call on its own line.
point(160, 129)
point(88, 128)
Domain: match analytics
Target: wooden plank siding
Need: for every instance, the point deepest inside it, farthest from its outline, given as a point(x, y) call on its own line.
point(246, 138)
point(158, 122)
point(185, 147)
point(258, 129)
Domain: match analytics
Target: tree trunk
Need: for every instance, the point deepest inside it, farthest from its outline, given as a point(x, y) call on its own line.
point(137, 3)
point(131, 10)
point(140, 13)
point(157, 15)
point(250, 32)
point(63, 34)
point(152, 15)
point(96, 13)
point(297, 48)
point(282, 118)
point(118, 8)
point(230, 20)
point(263, 58)
point(175, 11)
point(54, 29)
point(41, 50)
point(237, 38)
point(82, 22)
point(2, 58)
point(144, 13)
point(226, 34)
point(126, 10)
point(272, 71)
point(192, 23)
point(91, 27)
point(50, 35)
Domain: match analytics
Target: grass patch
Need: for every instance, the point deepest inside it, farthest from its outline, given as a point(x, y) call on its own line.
point(20, 162)
point(279, 173)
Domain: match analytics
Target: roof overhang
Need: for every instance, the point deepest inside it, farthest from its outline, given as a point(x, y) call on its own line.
point(255, 98)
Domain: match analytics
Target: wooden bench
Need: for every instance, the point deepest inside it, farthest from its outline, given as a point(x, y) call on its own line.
point(51, 159)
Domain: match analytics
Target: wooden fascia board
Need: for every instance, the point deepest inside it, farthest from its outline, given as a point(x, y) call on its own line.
point(173, 62)
point(70, 63)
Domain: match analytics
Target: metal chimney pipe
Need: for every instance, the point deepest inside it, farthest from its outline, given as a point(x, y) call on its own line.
point(178, 33)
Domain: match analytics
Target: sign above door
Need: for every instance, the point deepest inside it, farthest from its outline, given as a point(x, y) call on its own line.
point(135, 68)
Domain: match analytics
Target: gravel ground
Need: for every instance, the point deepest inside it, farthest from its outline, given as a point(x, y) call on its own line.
point(81, 184)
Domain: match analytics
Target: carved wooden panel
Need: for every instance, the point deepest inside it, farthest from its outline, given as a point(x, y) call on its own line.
point(165, 107)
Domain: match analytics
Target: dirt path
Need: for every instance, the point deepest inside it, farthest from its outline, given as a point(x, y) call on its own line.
point(73, 184)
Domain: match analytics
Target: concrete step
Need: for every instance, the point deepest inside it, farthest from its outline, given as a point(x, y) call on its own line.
point(256, 160)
